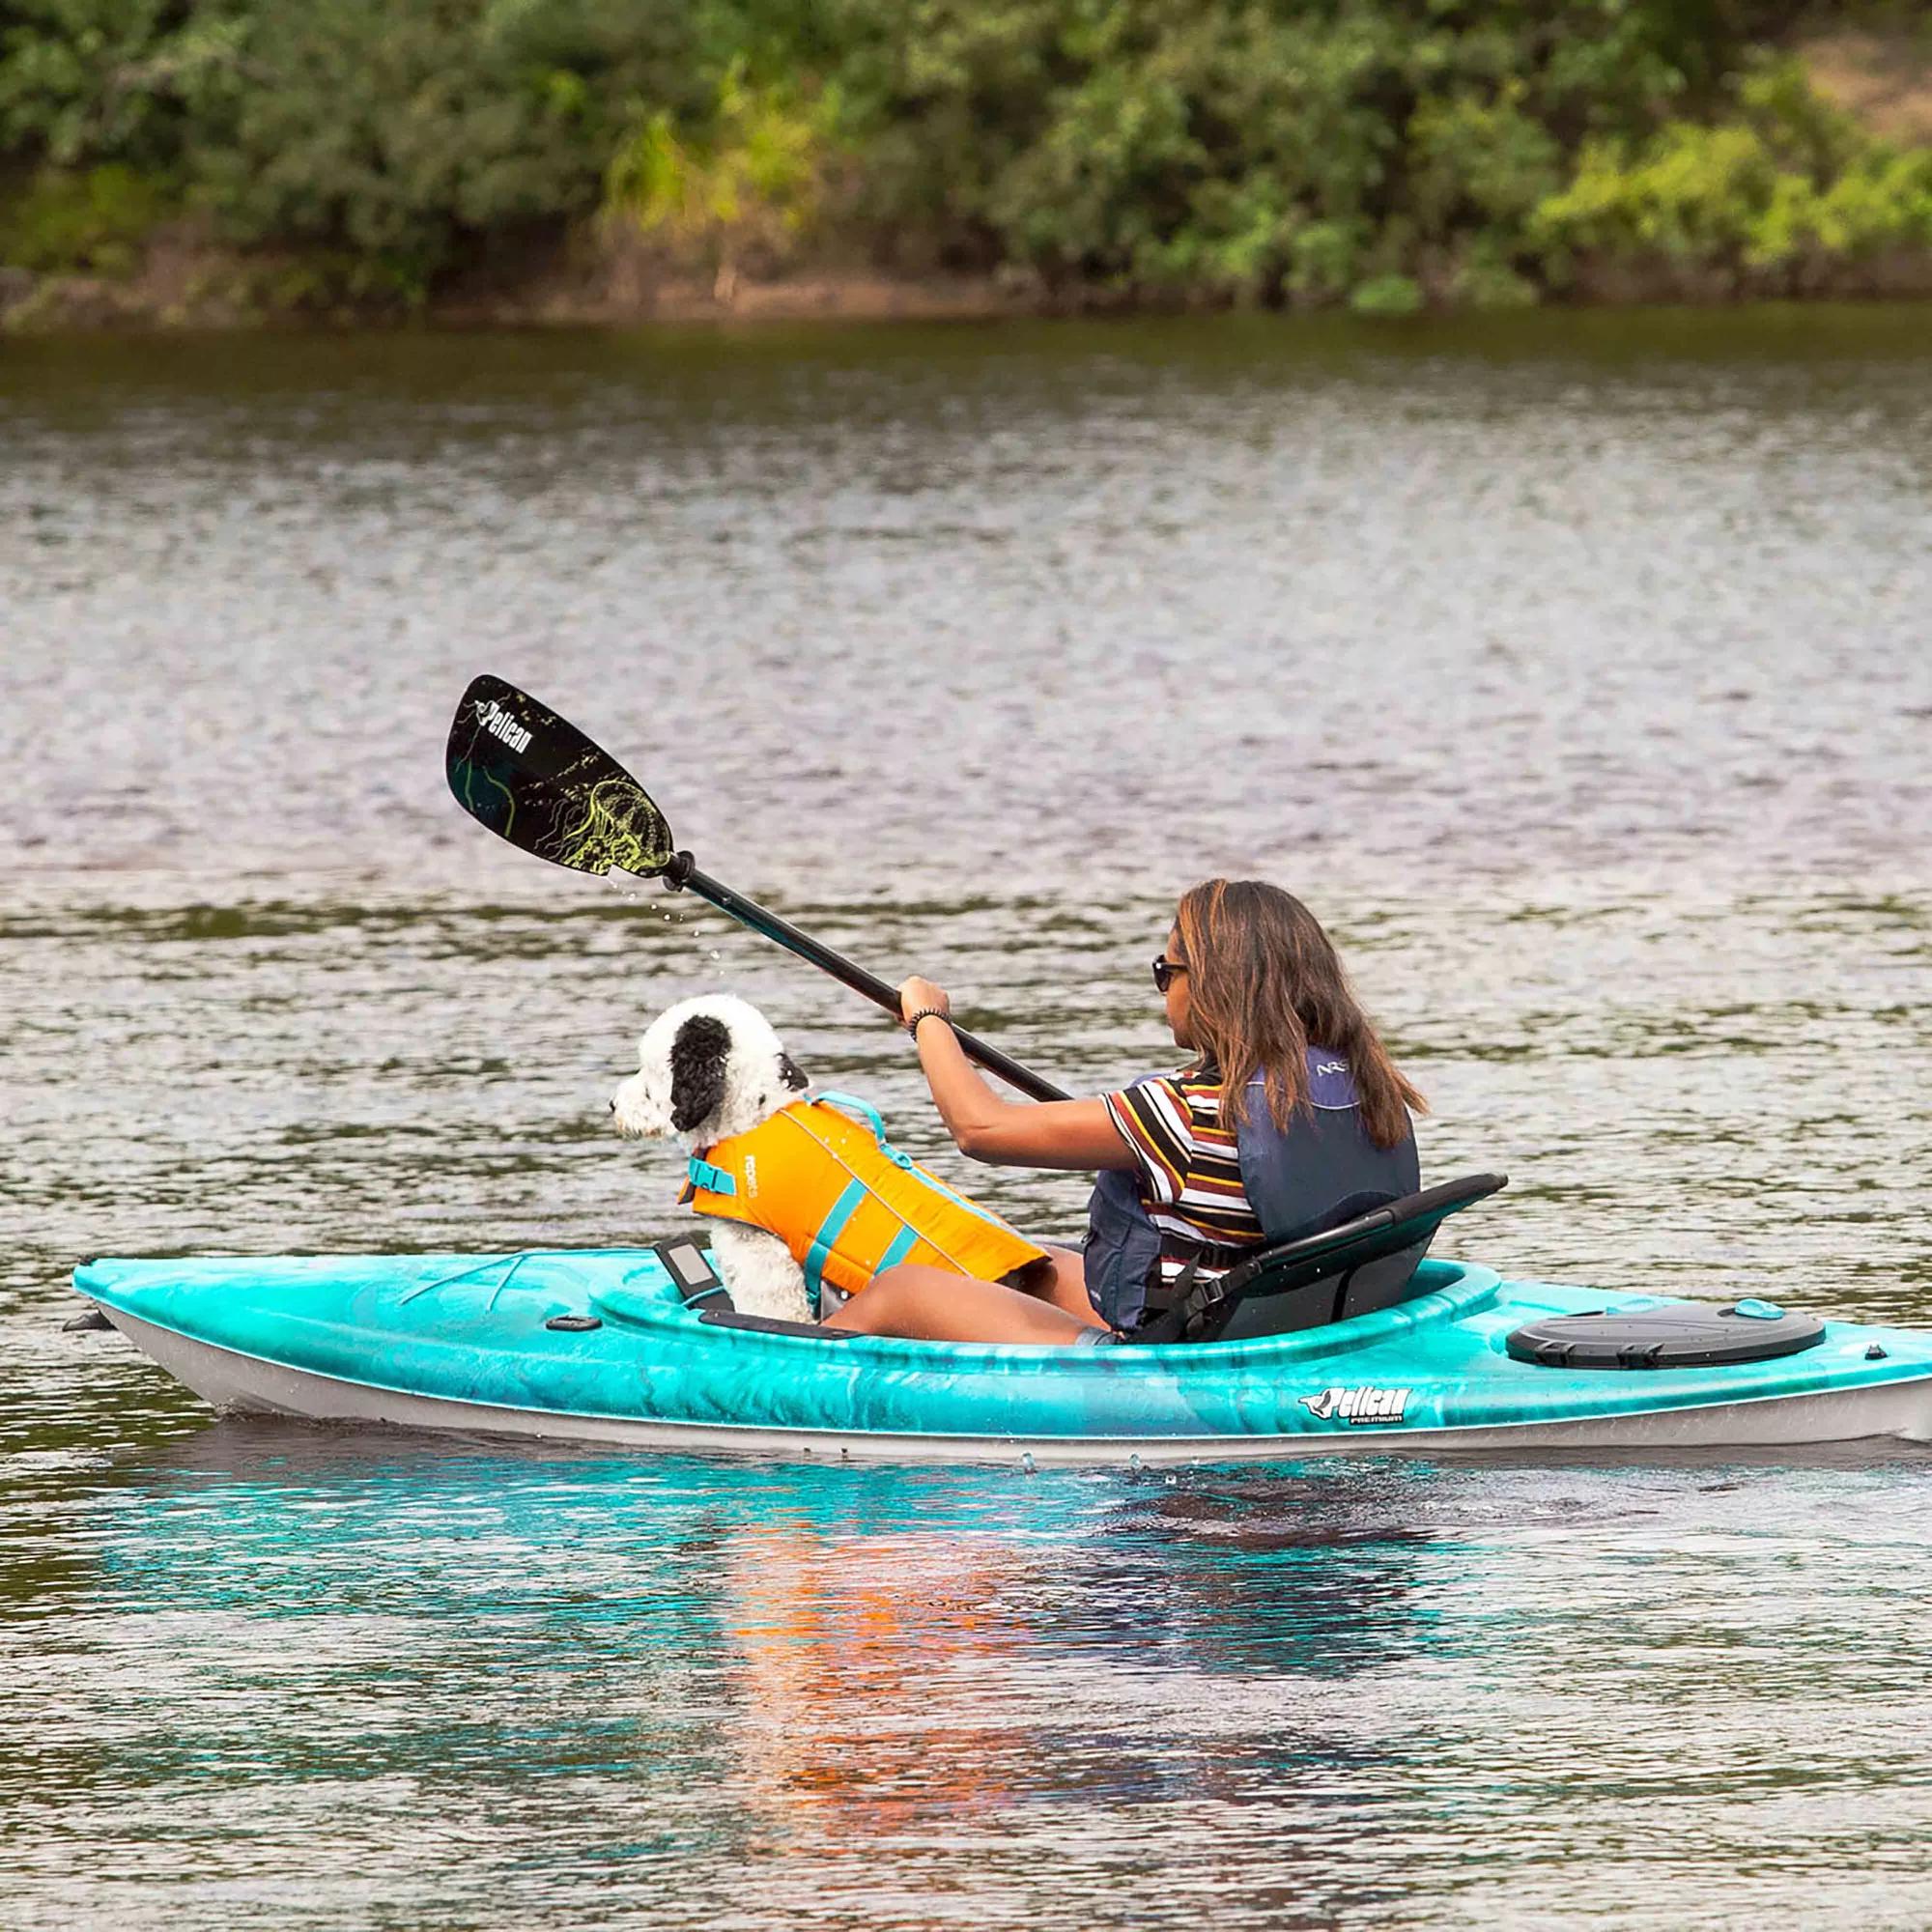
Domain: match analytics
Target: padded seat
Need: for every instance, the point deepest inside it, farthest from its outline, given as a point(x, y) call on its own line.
point(1365, 1263)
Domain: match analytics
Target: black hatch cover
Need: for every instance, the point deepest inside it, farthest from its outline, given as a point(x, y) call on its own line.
point(1672, 1335)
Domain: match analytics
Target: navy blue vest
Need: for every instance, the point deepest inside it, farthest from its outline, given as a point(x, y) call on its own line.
point(1322, 1171)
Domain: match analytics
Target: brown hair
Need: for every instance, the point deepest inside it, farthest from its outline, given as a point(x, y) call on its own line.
point(1263, 984)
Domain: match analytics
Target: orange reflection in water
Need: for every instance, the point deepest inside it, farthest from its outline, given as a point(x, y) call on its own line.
point(881, 1675)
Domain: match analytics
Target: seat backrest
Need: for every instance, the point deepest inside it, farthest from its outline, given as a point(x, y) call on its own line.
point(1365, 1263)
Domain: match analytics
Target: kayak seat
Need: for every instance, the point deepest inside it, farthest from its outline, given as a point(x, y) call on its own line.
point(1364, 1264)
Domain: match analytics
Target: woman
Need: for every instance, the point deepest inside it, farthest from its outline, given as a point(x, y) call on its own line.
point(1255, 991)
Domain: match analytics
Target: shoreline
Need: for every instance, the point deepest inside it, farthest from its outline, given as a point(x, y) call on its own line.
point(184, 285)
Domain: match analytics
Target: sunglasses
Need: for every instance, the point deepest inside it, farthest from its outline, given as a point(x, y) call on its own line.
point(1164, 970)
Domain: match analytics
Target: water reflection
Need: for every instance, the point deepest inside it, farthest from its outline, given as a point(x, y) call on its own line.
point(470, 1683)
point(827, 1653)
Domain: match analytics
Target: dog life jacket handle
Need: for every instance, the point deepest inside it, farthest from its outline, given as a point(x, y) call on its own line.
point(864, 1110)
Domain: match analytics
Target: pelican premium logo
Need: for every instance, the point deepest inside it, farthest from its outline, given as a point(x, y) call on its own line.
point(1357, 1406)
point(499, 723)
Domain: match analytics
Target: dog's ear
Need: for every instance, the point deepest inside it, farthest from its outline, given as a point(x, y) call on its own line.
point(698, 1057)
point(792, 1074)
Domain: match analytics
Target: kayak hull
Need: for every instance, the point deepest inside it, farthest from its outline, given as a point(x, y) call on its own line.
point(463, 1344)
point(234, 1385)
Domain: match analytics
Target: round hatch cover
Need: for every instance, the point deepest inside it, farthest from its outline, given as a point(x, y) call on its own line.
point(1666, 1335)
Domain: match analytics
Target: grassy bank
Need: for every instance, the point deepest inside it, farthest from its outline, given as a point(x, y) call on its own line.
point(230, 161)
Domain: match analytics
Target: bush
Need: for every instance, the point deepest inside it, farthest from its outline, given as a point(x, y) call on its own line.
point(401, 135)
point(93, 222)
point(1787, 181)
point(406, 134)
point(1256, 152)
point(753, 182)
point(105, 82)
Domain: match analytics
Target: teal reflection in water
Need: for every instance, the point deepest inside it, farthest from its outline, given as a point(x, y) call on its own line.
point(623, 1660)
point(305, 1678)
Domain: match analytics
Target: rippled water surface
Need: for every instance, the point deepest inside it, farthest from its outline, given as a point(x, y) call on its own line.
point(1575, 670)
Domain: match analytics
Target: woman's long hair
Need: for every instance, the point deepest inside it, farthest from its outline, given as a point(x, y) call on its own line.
point(1263, 984)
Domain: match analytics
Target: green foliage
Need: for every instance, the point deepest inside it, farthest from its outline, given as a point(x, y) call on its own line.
point(1386, 295)
point(401, 133)
point(92, 223)
point(399, 136)
point(1380, 153)
point(1259, 151)
point(1786, 182)
point(96, 81)
point(755, 181)
point(1481, 161)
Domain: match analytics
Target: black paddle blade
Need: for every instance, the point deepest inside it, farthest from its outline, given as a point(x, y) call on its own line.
point(534, 779)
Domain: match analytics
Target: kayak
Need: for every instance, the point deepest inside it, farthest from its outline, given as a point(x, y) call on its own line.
point(603, 1346)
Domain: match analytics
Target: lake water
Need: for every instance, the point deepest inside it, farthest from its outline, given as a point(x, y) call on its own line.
point(1574, 668)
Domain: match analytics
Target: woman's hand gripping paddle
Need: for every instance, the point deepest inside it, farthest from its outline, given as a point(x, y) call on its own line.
point(534, 779)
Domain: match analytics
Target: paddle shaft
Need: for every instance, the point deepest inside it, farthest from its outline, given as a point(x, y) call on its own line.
point(682, 875)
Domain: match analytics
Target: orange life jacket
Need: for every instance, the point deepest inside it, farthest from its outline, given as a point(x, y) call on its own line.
point(845, 1202)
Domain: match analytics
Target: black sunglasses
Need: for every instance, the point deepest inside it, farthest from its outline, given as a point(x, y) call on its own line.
point(1164, 970)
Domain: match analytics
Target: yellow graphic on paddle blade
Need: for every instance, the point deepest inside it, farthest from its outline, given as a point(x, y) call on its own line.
point(616, 826)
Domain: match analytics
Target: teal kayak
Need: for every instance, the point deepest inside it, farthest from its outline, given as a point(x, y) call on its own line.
point(602, 1347)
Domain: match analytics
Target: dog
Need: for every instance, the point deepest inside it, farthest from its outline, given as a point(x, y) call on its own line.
point(709, 1069)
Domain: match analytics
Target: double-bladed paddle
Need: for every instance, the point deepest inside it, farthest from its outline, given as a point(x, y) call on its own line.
point(534, 779)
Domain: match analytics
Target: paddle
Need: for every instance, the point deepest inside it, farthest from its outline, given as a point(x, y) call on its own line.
point(535, 780)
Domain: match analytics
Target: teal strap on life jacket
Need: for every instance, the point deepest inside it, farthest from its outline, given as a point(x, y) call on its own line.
point(713, 1180)
point(905, 1240)
point(829, 1231)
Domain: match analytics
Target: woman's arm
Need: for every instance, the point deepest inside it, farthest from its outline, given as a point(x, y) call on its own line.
point(1049, 1133)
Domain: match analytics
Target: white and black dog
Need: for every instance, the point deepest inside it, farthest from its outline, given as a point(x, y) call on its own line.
point(708, 1068)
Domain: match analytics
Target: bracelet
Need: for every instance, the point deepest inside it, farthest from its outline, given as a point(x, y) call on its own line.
point(925, 1014)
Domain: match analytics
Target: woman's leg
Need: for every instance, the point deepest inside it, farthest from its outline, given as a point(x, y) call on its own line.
point(933, 1304)
point(1065, 1284)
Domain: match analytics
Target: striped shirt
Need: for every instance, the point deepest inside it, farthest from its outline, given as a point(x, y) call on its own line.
point(1189, 1172)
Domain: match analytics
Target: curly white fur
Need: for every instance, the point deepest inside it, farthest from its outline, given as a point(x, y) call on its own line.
point(721, 1079)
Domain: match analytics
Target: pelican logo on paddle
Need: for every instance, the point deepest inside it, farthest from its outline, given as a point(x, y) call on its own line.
point(499, 723)
point(1357, 1406)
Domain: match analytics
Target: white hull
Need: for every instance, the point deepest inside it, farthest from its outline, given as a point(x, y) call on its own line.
point(242, 1384)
